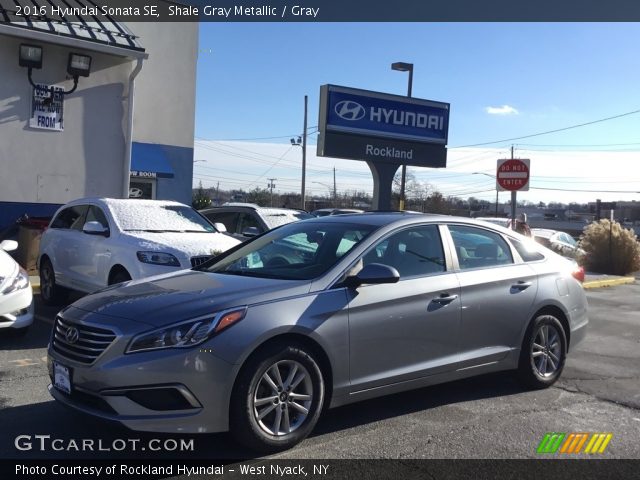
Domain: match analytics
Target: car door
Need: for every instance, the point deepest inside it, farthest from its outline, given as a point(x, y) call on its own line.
point(496, 294)
point(65, 244)
point(407, 330)
point(93, 255)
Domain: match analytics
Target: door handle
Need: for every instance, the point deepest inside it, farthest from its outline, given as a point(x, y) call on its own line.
point(445, 299)
point(521, 285)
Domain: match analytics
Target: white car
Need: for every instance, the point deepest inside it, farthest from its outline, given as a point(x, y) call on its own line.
point(16, 296)
point(95, 242)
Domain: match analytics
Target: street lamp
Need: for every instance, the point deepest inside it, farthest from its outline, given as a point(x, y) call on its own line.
point(494, 178)
point(404, 67)
point(332, 190)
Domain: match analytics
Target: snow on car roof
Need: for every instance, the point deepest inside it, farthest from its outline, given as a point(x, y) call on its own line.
point(281, 216)
point(134, 214)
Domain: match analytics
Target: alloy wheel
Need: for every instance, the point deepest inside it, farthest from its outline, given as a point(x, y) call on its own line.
point(282, 398)
point(546, 350)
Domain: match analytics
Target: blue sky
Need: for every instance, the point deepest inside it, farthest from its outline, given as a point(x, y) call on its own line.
point(502, 81)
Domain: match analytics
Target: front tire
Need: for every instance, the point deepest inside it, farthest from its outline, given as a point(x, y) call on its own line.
point(50, 292)
point(119, 276)
point(277, 399)
point(543, 352)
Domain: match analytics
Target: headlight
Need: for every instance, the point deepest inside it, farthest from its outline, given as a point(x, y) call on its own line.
point(158, 258)
point(187, 334)
point(19, 282)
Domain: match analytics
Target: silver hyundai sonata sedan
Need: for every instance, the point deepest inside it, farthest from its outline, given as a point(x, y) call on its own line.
point(315, 314)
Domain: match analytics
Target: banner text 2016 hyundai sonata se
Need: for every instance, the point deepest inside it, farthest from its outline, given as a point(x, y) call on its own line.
point(317, 313)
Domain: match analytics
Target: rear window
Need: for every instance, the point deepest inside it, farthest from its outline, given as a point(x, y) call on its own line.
point(527, 251)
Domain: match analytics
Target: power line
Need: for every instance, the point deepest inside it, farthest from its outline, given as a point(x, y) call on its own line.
point(550, 131)
point(585, 191)
point(257, 138)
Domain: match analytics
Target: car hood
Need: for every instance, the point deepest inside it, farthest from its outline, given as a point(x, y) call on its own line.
point(173, 297)
point(191, 244)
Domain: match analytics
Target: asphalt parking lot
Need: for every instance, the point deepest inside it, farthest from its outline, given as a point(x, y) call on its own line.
point(483, 417)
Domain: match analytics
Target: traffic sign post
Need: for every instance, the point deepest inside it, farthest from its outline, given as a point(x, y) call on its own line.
point(513, 175)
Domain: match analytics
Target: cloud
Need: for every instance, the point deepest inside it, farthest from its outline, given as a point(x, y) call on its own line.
point(503, 110)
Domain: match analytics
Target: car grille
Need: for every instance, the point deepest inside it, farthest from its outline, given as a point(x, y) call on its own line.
point(86, 347)
point(195, 261)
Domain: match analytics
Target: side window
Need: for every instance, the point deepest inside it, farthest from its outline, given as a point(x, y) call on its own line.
point(95, 214)
point(477, 247)
point(229, 219)
point(527, 252)
point(70, 218)
point(248, 220)
point(413, 252)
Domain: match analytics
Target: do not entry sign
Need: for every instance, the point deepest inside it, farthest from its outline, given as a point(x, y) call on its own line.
point(513, 174)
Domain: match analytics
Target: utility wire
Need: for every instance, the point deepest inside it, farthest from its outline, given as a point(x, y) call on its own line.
point(550, 131)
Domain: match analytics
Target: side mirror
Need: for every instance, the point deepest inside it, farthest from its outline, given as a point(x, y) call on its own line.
point(220, 227)
point(374, 274)
point(95, 228)
point(251, 232)
point(9, 245)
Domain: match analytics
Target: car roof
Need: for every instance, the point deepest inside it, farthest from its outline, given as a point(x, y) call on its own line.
point(251, 206)
point(381, 218)
point(106, 201)
point(543, 232)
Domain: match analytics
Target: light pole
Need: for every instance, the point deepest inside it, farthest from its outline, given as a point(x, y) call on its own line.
point(494, 178)
point(302, 142)
point(404, 67)
point(271, 186)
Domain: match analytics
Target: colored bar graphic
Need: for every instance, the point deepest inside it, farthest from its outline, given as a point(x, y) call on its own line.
point(598, 443)
point(551, 442)
point(572, 443)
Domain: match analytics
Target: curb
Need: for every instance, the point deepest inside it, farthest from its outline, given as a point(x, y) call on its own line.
point(609, 282)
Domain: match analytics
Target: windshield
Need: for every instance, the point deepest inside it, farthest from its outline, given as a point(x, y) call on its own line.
point(160, 218)
point(298, 251)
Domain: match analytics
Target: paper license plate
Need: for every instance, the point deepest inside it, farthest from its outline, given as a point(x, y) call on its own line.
point(61, 378)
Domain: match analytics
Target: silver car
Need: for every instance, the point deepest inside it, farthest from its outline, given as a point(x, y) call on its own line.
point(317, 313)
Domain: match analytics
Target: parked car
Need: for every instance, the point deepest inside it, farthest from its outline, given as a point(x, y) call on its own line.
point(246, 220)
point(522, 227)
point(356, 307)
point(323, 212)
point(16, 296)
point(95, 242)
point(560, 242)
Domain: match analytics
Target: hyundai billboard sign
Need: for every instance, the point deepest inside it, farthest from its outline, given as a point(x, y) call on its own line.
point(365, 125)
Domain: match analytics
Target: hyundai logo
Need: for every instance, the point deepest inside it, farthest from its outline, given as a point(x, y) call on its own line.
point(72, 335)
point(349, 110)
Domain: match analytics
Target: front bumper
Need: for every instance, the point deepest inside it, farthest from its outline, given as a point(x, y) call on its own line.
point(171, 390)
point(16, 309)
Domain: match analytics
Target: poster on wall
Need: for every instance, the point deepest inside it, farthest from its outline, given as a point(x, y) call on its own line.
point(47, 107)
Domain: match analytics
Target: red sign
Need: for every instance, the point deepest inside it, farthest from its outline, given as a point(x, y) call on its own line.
point(513, 174)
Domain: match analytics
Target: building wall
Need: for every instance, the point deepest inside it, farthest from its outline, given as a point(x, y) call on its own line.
point(48, 168)
point(87, 158)
point(164, 111)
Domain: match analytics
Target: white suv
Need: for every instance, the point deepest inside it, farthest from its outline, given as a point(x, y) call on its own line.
point(95, 242)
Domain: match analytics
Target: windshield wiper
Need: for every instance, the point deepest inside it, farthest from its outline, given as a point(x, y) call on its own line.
point(249, 273)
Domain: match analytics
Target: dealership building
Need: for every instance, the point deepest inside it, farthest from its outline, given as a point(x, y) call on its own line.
point(93, 107)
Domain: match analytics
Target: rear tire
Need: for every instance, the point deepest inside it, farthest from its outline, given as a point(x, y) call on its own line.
point(543, 353)
point(50, 292)
point(277, 398)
